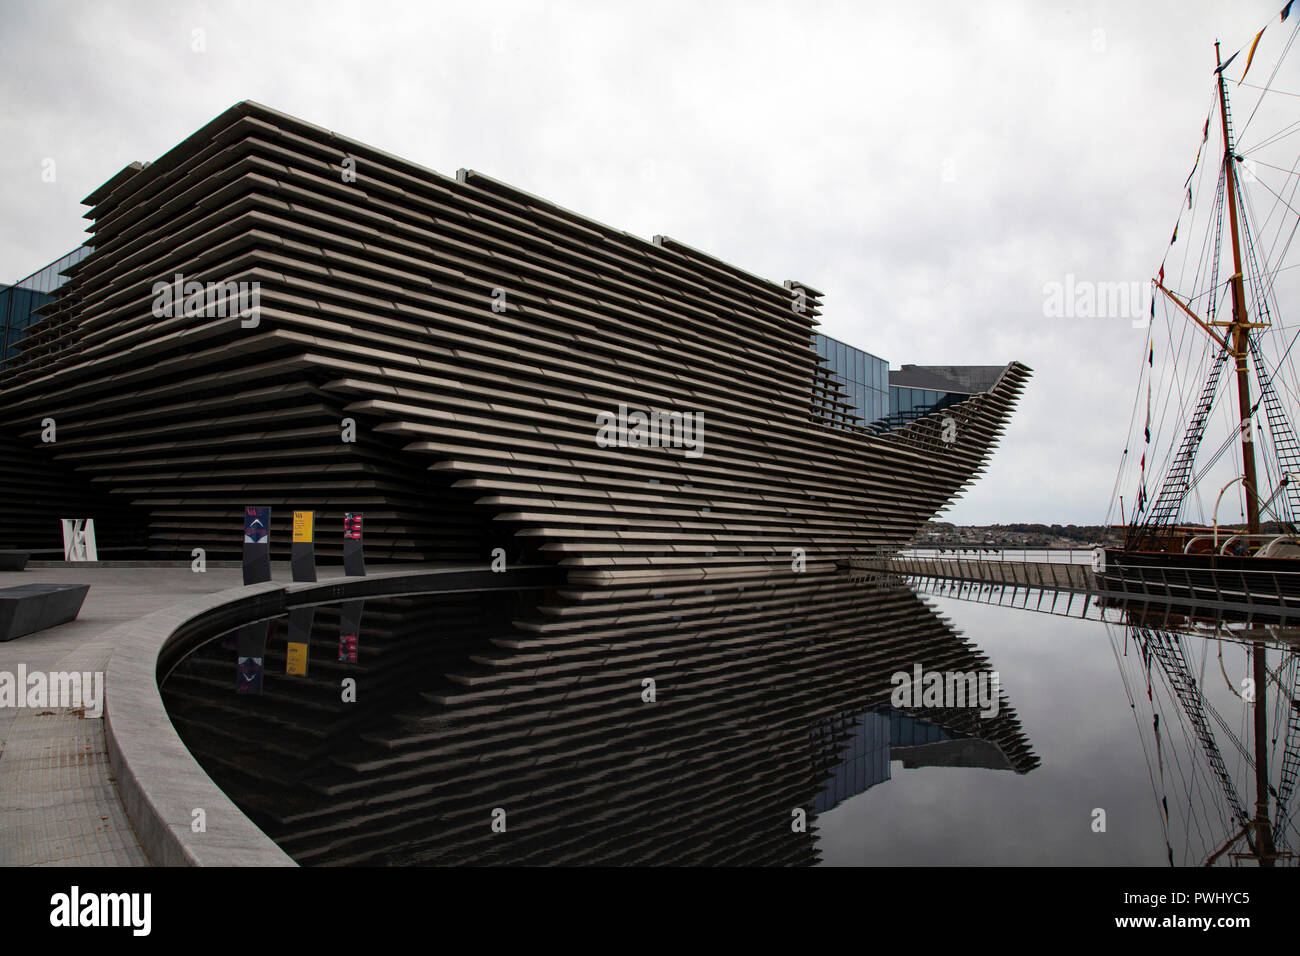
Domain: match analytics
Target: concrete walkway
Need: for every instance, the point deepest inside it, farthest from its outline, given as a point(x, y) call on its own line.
point(63, 798)
point(58, 801)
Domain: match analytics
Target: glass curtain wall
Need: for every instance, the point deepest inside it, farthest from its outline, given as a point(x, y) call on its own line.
point(19, 302)
point(865, 376)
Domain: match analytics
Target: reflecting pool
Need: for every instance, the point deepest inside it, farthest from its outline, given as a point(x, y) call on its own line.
point(812, 719)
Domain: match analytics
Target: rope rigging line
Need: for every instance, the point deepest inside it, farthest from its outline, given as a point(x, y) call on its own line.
point(1132, 702)
point(1273, 140)
point(1278, 195)
point(1172, 650)
point(1252, 86)
point(1268, 84)
point(1208, 364)
point(1201, 771)
point(1194, 778)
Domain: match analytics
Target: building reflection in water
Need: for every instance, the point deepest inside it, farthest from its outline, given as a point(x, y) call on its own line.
point(665, 724)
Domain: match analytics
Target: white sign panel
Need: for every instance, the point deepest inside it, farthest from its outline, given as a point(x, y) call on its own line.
point(79, 539)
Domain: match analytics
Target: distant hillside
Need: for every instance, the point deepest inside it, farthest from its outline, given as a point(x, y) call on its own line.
point(1035, 535)
point(1020, 535)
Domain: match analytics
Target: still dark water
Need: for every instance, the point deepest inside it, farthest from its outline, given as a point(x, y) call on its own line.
point(753, 725)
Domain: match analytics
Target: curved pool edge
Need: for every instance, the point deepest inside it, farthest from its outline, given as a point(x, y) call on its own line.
point(160, 783)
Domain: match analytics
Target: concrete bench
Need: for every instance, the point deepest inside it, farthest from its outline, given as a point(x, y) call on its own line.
point(14, 560)
point(34, 607)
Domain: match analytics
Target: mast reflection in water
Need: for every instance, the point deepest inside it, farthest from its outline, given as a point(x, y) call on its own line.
point(1223, 783)
point(678, 724)
point(1214, 697)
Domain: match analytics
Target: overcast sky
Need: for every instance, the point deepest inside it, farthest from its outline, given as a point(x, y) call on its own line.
point(930, 168)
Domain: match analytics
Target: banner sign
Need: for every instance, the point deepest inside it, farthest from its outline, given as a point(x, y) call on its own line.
point(296, 660)
point(302, 552)
point(303, 526)
point(251, 644)
point(257, 544)
point(298, 651)
point(349, 630)
point(347, 648)
point(354, 564)
point(249, 679)
point(257, 525)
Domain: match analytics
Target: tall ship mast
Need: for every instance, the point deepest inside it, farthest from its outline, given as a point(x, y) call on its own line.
point(1179, 539)
point(1215, 561)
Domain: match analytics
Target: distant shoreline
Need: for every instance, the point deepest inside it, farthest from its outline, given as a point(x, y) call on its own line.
point(943, 534)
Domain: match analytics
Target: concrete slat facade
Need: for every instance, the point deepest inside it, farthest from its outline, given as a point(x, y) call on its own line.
point(474, 428)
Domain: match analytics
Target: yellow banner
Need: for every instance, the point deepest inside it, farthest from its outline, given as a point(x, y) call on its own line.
point(297, 660)
point(303, 522)
point(1251, 55)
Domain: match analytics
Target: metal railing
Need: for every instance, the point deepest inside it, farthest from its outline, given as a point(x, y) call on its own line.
point(1278, 626)
point(1238, 589)
point(993, 552)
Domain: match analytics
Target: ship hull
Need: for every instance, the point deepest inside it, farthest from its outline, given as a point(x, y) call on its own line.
point(1204, 579)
